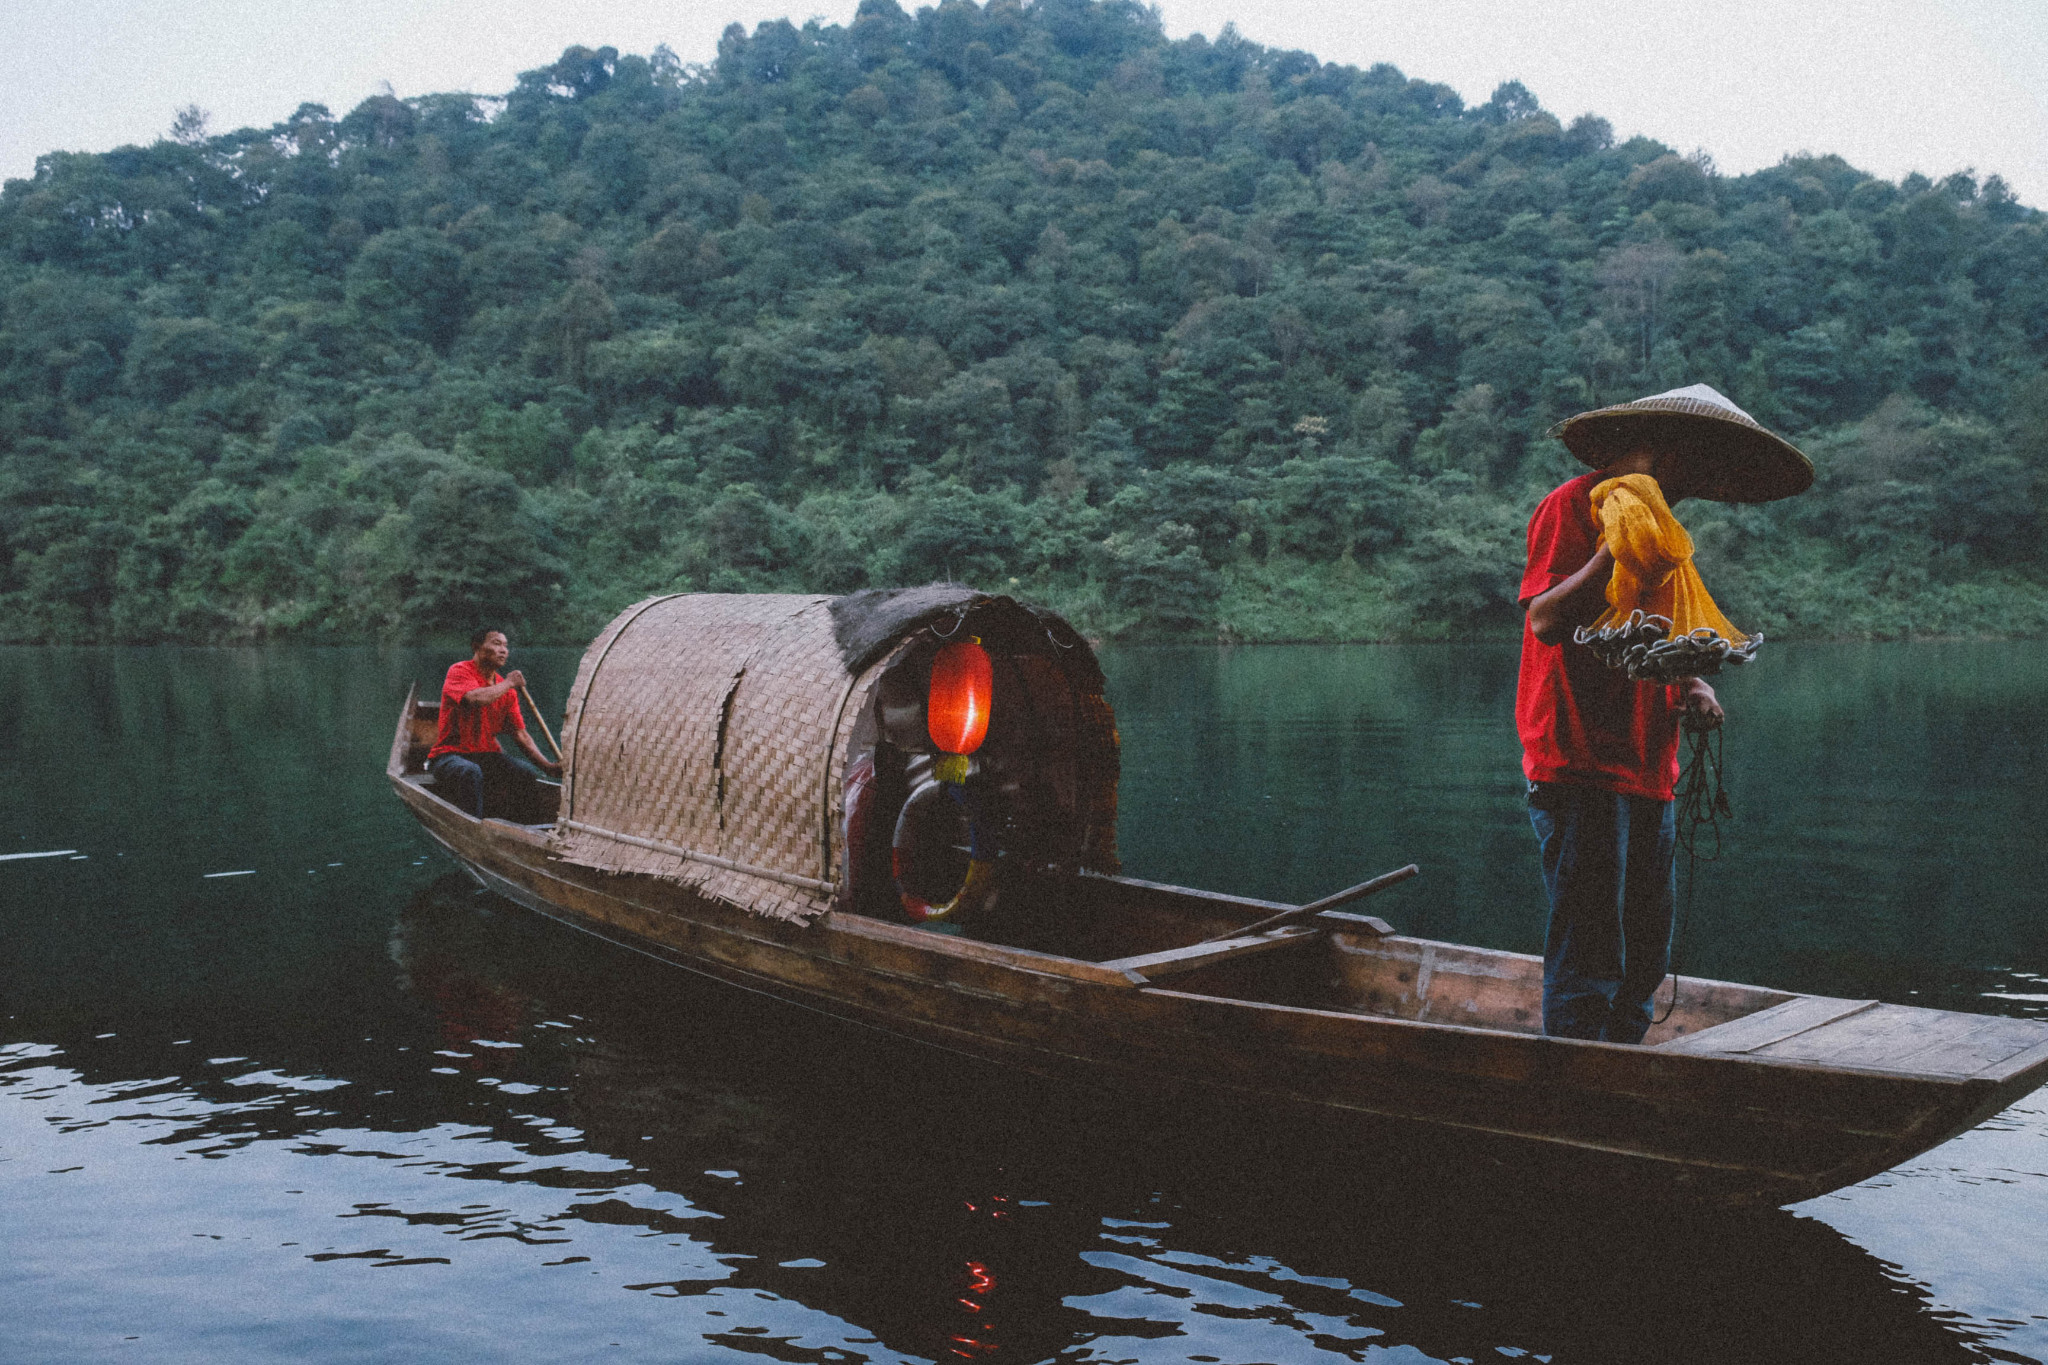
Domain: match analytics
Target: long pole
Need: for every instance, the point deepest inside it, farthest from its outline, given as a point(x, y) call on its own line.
point(1314, 908)
point(542, 721)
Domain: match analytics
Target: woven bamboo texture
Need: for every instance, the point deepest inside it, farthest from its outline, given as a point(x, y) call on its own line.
point(704, 735)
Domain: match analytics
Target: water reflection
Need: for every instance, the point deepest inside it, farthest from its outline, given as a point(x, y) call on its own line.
point(366, 1112)
point(815, 1193)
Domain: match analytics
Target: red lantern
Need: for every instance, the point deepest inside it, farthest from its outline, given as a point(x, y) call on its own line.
point(963, 686)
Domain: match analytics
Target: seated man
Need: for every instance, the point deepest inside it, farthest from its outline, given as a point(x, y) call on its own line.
point(477, 706)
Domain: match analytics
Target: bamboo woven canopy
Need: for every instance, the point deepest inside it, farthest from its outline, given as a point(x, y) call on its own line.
point(708, 735)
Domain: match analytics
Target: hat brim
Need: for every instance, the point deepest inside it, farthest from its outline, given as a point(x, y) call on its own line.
point(1738, 462)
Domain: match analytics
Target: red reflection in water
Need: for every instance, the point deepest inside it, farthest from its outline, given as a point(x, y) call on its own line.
point(992, 1206)
point(979, 1338)
point(466, 1007)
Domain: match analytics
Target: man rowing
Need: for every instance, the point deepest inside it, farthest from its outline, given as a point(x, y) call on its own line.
point(477, 706)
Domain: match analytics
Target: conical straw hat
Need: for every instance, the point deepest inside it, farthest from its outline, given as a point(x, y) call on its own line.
point(1741, 461)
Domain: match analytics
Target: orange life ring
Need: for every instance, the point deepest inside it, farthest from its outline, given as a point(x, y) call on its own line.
point(976, 888)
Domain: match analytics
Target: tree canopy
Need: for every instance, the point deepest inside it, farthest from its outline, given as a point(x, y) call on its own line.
point(1182, 337)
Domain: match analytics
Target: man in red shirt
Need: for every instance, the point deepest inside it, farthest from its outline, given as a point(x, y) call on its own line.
point(1600, 751)
point(477, 706)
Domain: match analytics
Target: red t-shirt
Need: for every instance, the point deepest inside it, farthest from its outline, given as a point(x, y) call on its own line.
point(473, 729)
point(1580, 720)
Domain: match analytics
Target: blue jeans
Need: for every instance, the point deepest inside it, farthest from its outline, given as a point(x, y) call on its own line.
point(467, 781)
point(1608, 867)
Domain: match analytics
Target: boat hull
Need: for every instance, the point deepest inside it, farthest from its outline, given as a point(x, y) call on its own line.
point(1699, 1126)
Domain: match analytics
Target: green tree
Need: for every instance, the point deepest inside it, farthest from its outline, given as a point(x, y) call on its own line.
point(1180, 335)
point(470, 549)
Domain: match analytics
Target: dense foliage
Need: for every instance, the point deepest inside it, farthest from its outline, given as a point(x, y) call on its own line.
point(1178, 336)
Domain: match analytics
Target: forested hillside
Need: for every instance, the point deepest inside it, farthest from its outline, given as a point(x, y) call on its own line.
point(1182, 337)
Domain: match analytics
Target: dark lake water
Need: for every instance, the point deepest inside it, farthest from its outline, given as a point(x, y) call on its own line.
point(277, 1084)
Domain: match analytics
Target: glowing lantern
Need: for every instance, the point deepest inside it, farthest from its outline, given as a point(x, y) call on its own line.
point(963, 686)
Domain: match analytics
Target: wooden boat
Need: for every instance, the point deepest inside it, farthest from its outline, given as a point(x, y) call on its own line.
point(734, 769)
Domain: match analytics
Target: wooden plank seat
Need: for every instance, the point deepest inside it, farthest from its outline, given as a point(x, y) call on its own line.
point(1865, 1035)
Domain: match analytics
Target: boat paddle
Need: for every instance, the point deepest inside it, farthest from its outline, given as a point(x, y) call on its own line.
point(1314, 908)
point(542, 721)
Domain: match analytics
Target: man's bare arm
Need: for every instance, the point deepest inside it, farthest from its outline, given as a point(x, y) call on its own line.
point(1577, 601)
point(484, 696)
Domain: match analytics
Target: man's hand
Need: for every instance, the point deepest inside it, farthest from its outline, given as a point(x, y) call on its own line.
point(1702, 708)
point(484, 696)
point(533, 752)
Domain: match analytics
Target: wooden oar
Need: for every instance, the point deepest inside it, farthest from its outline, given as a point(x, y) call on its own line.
point(542, 720)
point(1314, 908)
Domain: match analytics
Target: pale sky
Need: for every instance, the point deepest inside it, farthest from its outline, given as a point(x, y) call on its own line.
point(1892, 85)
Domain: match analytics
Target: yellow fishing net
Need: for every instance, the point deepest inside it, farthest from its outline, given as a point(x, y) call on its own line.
point(1660, 624)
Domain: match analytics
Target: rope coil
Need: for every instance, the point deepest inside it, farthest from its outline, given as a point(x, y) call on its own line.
point(1661, 624)
point(1702, 806)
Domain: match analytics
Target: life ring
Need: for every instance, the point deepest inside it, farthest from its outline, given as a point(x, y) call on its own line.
point(976, 888)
